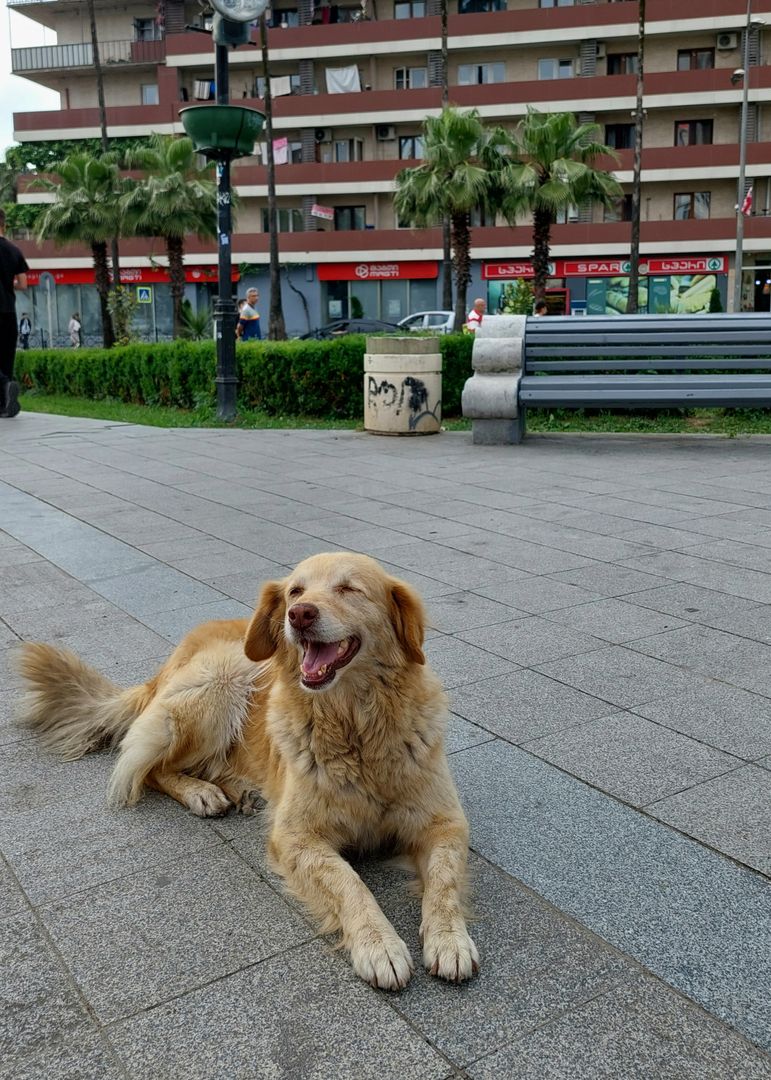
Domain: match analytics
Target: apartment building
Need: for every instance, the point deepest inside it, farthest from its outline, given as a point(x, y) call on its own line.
point(352, 83)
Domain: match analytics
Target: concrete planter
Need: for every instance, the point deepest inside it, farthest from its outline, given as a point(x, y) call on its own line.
point(402, 386)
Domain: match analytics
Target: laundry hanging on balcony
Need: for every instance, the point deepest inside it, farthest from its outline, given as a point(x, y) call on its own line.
point(203, 89)
point(281, 151)
point(343, 80)
point(281, 85)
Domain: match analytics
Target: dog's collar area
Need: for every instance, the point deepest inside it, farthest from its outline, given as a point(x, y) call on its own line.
point(322, 659)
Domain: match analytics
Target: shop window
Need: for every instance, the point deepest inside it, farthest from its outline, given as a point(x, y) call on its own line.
point(477, 74)
point(691, 204)
point(288, 219)
point(621, 210)
point(413, 78)
point(555, 69)
point(473, 7)
point(619, 136)
point(411, 147)
point(693, 132)
point(149, 93)
point(695, 59)
point(622, 64)
point(350, 217)
point(409, 9)
point(147, 30)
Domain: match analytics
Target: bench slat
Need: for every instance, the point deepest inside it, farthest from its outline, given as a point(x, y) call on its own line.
point(644, 390)
point(649, 364)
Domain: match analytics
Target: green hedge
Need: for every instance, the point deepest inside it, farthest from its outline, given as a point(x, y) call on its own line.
point(283, 378)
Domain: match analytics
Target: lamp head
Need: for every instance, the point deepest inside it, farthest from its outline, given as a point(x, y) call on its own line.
point(737, 76)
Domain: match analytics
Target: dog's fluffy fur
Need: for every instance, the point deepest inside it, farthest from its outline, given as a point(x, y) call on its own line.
point(323, 705)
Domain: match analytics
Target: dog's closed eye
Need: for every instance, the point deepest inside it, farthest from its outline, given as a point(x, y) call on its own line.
point(346, 587)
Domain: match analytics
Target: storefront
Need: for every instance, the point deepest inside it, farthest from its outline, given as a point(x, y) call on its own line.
point(377, 290)
point(601, 286)
point(756, 284)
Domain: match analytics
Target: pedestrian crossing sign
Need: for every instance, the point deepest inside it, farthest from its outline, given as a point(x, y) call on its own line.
point(144, 294)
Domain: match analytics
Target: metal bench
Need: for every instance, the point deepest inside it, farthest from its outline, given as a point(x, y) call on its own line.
point(623, 362)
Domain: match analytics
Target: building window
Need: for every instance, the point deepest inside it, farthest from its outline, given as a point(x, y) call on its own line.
point(621, 210)
point(566, 215)
point(691, 204)
point(693, 132)
point(149, 93)
point(350, 217)
point(556, 3)
point(555, 69)
point(409, 9)
point(474, 7)
point(410, 78)
point(295, 153)
point(695, 59)
point(348, 149)
point(147, 30)
point(619, 136)
point(622, 64)
point(259, 84)
point(288, 220)
point(285, 19)
point(411, 147)
point(480, 217)
point(475, 74)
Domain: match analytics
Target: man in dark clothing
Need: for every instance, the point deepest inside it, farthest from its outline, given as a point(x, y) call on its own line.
point(13, 275)
point(25, 329)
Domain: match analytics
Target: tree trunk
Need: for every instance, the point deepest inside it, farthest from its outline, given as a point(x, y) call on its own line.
point(276, 323)
point(446, 238)
point(103, 127)
point(541, 240)
point(102, 279)
point(175, 251)
point(634, 249)
point(461, 245)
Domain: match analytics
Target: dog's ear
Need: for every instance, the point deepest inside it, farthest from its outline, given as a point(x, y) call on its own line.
point(264, 631)
point(409, 620)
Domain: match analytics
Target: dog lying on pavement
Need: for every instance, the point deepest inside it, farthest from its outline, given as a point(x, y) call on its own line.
point(323, 705)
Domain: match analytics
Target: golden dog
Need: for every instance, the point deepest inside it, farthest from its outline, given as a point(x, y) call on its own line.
point(322, 704)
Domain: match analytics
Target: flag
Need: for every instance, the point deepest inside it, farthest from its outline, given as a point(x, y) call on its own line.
point(747, 204)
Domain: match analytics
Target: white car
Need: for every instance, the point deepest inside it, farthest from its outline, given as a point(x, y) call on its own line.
point(440, 322)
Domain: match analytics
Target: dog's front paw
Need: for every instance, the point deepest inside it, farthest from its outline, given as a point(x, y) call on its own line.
point(450, 954)
point(207, 801)
point(382, 959)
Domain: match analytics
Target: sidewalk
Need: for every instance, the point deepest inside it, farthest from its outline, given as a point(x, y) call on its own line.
point(602, 612)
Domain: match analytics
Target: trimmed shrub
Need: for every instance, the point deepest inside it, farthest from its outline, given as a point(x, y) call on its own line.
point(283, 378)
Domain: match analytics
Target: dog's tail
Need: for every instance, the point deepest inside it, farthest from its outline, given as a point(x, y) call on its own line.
point(71, 706)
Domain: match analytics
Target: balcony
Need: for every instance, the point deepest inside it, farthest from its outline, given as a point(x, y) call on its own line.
point(80, 54)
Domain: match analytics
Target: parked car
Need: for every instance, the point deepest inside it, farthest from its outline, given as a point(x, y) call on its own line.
point(351, 326)
point(439, 321)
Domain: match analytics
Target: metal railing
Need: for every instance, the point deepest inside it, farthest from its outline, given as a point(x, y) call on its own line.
point(81, 54)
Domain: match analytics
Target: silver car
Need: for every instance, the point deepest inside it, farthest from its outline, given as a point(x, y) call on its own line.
point(440, 322)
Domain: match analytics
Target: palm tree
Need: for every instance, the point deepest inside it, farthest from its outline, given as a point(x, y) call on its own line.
point(175, 198)
point(86, 211)
point(545, 166)
point(451, 182)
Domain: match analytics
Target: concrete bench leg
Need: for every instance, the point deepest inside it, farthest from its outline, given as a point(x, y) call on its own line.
point(490, 396)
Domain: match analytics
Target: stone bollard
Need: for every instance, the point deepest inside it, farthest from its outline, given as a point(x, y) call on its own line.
point(490, 395)
point(402, 386)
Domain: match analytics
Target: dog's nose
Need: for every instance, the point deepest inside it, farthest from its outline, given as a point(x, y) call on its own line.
point(301, 616)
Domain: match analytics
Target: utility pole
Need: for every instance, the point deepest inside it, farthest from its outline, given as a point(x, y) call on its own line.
point(741, 183)
point(114, 257)
point(634, 248)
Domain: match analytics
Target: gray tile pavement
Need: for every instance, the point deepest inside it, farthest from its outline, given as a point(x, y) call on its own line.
point(602, 612)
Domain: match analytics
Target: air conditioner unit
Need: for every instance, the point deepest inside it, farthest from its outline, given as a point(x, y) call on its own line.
point(323, 134)
point(384, 132)
point(600, 50)
point(727, 41)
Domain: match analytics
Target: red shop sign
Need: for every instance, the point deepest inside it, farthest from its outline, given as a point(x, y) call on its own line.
point(507, 271)
point(377, 271)
point(705, 264)
point(132, 275)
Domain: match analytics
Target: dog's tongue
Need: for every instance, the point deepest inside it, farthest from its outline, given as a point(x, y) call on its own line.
point(319, 654)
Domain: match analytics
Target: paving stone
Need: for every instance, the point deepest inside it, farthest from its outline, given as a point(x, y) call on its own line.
point(615, 620)
point(637, 1031)
point(631, 758)
point(532, 640)
point(695, 604)
point(722, 716)
point(736, 580)
point(303, 1014)
point(731, 813)
point(524, 704)
point(173, 625)
point(466, 610)
point(711, 652)
point(141, 940)
point(533, 558)
point(12, 899)
point(744, 554)
point(461, 734)
point(537, 595)
point(457, 662)
point(621, 676)
point(607, 580)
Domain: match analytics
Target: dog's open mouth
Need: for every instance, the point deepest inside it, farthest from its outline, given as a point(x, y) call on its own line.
point(322, 659)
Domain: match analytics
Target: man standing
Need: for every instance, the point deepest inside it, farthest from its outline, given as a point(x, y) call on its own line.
point(13, 275)
point(249, 319)
point(474, 320)
point(25, 329)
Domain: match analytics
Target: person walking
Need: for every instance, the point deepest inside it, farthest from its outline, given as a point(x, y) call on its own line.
point(541, 308)
point(13, 275)
point(74, 330)
point(25, 329)
point(249, 319)
point(475, 316)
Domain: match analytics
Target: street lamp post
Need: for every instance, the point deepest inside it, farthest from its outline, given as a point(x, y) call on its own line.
point(224, 306)
point(745, 77)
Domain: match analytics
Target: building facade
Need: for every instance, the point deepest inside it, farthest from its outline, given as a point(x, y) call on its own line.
point(352, 84)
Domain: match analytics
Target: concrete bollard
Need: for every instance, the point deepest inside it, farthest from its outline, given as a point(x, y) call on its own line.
point(402, 386)
point(490, 396)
